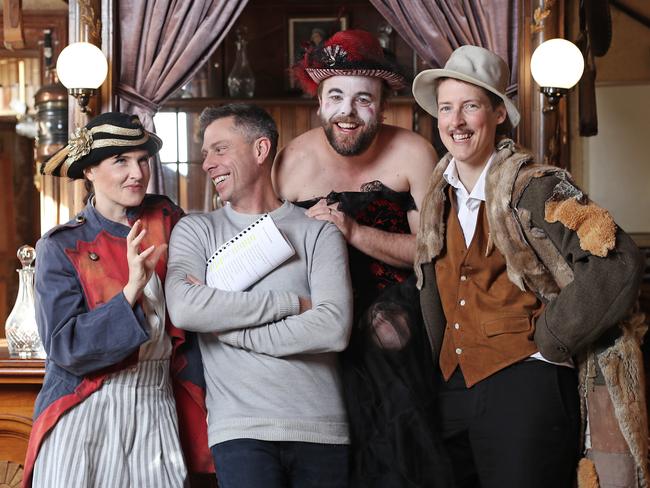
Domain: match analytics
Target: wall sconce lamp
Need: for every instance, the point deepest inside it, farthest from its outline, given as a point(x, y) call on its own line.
point(82, 69)
point(556, 66)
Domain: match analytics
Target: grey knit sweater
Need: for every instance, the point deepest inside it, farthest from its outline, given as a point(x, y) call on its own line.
point(271, 374)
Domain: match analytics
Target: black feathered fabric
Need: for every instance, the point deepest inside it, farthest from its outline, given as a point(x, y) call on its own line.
point(388, 374)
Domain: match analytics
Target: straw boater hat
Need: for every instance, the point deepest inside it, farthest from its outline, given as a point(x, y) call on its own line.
point(106, 135)
point(472, 64)
point(346, 53)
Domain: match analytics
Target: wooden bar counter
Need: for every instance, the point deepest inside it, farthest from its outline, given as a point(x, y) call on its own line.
point(20, 382)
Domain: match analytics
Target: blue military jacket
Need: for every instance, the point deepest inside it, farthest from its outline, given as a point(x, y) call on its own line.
point(89, 330)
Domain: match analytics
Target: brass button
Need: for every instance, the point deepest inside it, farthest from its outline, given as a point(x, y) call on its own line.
point(80, 219)
point(458, 350)
point(93, 256)
point(462, 303)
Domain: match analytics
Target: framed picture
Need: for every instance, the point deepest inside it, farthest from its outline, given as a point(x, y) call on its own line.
point(305, 31)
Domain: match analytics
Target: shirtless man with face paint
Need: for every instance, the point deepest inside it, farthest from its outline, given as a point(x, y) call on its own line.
point(369, 179)
point(352, 149)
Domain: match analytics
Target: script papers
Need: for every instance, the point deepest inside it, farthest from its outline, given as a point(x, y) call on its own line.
point(248, 257)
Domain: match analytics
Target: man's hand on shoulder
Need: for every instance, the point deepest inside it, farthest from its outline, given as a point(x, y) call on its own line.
point(330, 213)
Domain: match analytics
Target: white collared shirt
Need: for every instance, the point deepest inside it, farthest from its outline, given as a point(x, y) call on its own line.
point(468, 207)
point(468, 203)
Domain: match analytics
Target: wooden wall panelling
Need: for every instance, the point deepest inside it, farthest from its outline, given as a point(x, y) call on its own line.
point(8, 275)
point(293, 116)
point(303, 120)
point(400, 115)
point(23, 200)
point(33, 24)
point(19, 212)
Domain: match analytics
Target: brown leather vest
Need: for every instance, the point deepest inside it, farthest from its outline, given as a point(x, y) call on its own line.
point(489, 320)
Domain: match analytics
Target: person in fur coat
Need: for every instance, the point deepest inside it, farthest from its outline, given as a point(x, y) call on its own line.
point(527, 290)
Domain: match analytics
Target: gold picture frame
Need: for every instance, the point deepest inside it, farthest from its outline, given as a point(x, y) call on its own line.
point(314, 30)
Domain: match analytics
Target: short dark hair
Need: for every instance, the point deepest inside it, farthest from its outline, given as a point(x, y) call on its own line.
point(253, 121)
point(504, 129)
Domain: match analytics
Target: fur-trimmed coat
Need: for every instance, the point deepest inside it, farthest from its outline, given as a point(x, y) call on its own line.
point(570, 253)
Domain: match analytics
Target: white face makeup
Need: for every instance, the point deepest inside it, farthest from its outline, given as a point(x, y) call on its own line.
point(350, 112)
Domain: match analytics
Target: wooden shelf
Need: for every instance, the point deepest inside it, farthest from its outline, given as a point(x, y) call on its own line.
point(198, 104)
point(19, 371)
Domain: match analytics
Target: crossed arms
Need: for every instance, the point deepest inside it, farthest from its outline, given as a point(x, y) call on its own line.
point(262, 320)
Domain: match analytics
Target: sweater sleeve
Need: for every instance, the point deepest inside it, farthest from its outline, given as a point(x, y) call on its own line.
point(76, 339)
point(201, 308)
point(603, 289)
point(326, 327)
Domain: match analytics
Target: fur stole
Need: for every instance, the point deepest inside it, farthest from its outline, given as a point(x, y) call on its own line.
point(505, 182)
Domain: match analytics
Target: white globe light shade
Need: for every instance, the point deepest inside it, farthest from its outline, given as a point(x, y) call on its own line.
point(557, 63)
point(82, 65)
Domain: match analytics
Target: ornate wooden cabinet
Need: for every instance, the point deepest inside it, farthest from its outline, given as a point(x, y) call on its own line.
point(20, 381)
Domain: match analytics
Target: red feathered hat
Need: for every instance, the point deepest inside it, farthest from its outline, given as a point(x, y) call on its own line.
point(346, 53)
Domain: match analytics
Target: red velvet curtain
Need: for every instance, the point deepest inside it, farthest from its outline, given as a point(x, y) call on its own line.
point(434, 28)
point(163, 43)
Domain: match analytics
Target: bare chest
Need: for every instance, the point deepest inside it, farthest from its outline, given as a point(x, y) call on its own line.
point(324, 178)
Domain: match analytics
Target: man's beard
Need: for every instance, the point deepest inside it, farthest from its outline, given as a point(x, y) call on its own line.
point(353, 144)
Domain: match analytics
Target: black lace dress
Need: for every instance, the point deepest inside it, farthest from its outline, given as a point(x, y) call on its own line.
point(388, 374)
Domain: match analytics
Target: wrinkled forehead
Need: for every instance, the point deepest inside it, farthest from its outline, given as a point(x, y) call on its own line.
point(352, 85)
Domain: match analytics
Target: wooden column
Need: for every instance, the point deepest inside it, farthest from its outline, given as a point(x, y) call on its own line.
point(14, 37)
point(541, 20)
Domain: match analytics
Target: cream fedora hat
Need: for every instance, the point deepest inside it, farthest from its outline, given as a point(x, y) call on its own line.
point(473, 64)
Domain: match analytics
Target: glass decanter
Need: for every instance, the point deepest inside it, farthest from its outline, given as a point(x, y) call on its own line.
point(23, 340)
point(241, 81)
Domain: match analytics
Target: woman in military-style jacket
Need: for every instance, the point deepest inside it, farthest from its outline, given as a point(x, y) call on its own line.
point(122, 401)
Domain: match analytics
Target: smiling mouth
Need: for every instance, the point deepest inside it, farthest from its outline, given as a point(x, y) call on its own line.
point(347, 125)
point(220, 179)
point(462, 137)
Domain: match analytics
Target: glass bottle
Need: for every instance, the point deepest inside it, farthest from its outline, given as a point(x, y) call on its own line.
point(241, 81)
point(23, 340)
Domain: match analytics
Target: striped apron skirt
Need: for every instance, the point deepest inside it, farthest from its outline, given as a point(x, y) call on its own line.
point(123, 435)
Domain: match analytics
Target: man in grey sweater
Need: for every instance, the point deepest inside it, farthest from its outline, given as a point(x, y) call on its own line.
point(276, 416)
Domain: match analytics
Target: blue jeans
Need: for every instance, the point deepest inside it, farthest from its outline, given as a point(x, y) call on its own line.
point(249, 463)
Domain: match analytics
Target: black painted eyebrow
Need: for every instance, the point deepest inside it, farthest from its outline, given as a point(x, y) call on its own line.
point(336, 90)
point(358, 94)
